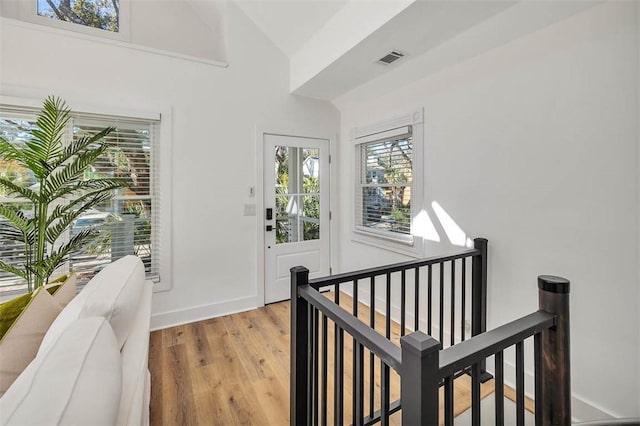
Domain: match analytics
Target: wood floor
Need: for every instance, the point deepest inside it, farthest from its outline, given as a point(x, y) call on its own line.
point(234, 370)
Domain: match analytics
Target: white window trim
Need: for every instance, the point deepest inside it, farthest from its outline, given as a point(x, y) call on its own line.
point(411, 245)
point(29, 12)
point(163, 201)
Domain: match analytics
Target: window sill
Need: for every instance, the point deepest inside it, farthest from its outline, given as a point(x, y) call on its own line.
point(409, 246)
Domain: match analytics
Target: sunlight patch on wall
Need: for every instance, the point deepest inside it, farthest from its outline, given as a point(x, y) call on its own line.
point(455, 234)
point(423, 227)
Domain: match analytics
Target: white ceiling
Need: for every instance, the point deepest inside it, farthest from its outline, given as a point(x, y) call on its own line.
point(290, 23)
point(333, 45)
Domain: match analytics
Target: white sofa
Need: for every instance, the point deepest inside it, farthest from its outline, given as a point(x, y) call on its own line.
point(92, 365)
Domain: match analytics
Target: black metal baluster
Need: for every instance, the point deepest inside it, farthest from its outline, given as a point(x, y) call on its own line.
point(448, 401)
point(325, 355)
point(537, 361)
point(403, 307)
point(385, 385)
point(429, 300)
point(338, 361)
point(520, 384)
point(372, 324)
point(416, 298)
point(358, 384)
point(338, 413)
point(315, 365)
point(499, 388)
point(475, 394)
point(463, 322)
point(356, 366)
point(388, 308)
point(453, 303)
point(355, 298)
point(441, 323)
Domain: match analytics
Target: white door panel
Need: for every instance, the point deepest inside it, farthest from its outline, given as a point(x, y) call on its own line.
point(296, 179)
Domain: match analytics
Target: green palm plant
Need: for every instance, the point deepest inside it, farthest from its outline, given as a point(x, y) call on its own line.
point(60, 195)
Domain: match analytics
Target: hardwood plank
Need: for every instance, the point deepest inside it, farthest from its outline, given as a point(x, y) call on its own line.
point(156, 364)
point(173, 335)
point(529, 404)
point(178, 387)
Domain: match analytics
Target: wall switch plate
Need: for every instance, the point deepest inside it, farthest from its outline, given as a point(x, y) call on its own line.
point(249, 209)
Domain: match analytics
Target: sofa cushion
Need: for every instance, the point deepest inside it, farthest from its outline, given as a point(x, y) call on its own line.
point(22, 338)
point(134, 402)
point(63, 289)
point(77, 381)
point(114, 293)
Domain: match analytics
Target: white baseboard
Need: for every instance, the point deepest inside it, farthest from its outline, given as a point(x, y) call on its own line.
point(198, 313)
point(581, 409)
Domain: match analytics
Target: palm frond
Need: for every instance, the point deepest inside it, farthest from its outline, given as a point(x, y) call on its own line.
point(57, 257)
point(91, 185)
point(59, 170)
point(69, 172)
point(78, 146)
point(23, 192)
point(59, 221)
point(13, 270)
point(47, 142)
point(15, 216)
point(8, 151)
point(10, 232)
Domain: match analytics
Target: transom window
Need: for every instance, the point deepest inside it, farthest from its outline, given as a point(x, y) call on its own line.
point(100, 14)
point(126, 224)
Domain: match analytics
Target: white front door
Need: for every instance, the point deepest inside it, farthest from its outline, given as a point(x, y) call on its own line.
point(296, 216)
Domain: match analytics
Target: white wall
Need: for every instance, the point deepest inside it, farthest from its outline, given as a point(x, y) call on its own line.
point(534, 145)
point(215, 113)
point(192, 28)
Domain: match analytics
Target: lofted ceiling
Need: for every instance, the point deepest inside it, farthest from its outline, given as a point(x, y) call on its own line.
point(333, 45)
point(290, 23)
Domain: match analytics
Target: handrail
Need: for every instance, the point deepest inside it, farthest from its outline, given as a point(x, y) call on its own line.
point(318, 283)
point(389, 353)
point(464, 354)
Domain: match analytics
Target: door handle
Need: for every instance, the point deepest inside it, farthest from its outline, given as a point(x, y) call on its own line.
point(269, 213)
point(269, 228)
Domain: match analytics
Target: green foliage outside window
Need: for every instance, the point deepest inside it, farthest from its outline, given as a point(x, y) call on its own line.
point(101, 14)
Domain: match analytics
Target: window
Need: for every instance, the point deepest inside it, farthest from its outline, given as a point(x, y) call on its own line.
point(128, 223)
point(384, 196)
point(101, 14)
point(101, 18)
point(388, 158)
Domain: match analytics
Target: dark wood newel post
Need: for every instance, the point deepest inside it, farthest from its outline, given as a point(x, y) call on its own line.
point(555, 363)
point(299, 353)
point(419, 379)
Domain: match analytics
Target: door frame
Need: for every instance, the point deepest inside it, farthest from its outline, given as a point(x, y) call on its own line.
point(261, 255)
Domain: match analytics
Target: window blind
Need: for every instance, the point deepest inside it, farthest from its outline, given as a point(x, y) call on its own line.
point(384, 184)
point(126, 224)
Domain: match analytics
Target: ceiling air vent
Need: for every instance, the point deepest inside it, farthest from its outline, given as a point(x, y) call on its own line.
point(390, 57)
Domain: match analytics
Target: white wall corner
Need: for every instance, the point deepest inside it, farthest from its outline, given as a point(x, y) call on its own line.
point(345, 30)
point(168, 319)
